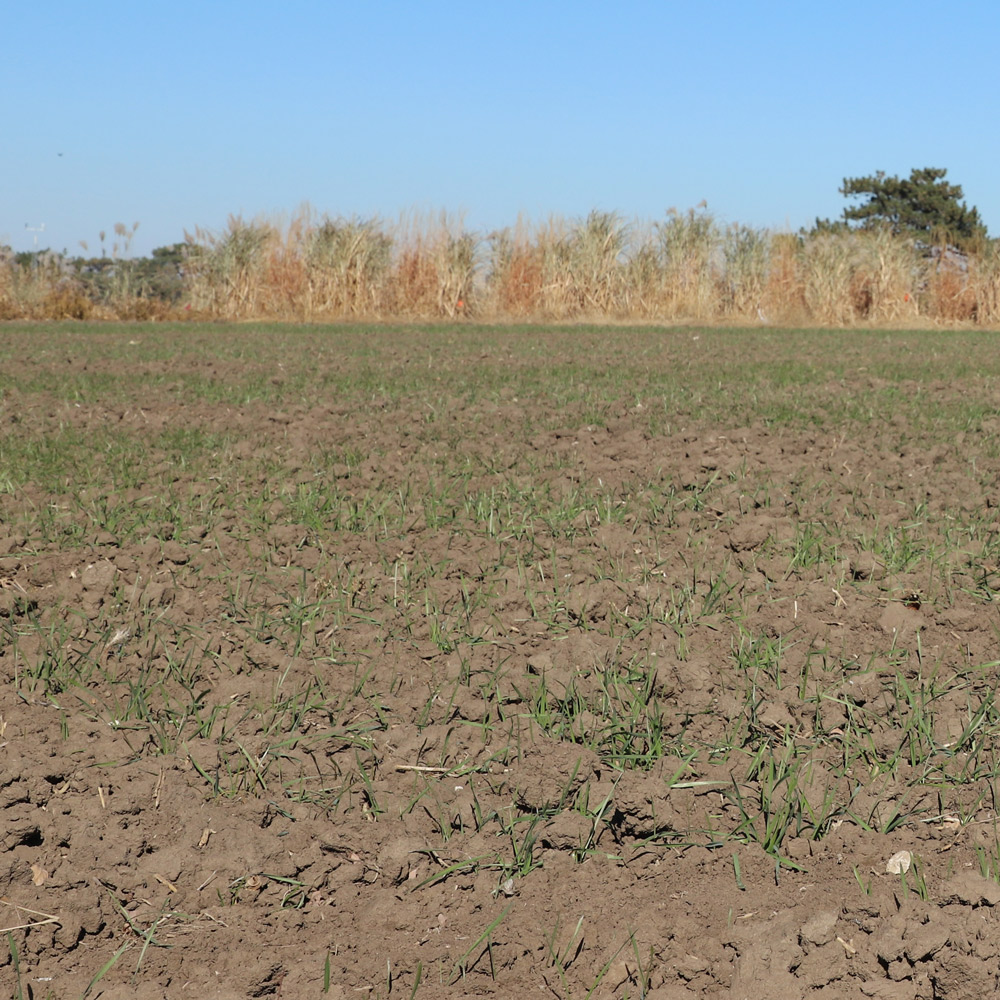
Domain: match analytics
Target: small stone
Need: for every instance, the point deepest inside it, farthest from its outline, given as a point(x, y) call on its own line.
point(899, 863)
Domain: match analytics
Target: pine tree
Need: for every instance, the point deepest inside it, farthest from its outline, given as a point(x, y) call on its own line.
point(924, 205)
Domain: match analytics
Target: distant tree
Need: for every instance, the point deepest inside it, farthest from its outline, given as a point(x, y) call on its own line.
point(29, 260)
point(162, 275)
point(924, 205)
point(828, 226)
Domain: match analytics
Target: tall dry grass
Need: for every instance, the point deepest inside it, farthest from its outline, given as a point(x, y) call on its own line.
point(684, 267)
point(228, 272)
point(41, 286)
point(347, 266)
point(983, 285)
point(435, 263)
point(746, 261)
point(688, 251)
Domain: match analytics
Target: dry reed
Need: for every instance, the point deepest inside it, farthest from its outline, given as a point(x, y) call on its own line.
point(685, 267)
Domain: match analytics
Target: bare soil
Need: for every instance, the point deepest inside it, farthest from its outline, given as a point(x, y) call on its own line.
point(381, 795)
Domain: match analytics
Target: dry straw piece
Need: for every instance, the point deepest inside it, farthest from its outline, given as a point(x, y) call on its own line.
point(47, 918)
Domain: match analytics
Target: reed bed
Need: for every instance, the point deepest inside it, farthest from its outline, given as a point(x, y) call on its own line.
point(686, 267)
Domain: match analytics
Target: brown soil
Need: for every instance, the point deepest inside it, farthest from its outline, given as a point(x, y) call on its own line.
point(370, 846)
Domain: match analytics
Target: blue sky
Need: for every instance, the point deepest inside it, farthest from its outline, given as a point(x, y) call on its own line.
point(175, 115)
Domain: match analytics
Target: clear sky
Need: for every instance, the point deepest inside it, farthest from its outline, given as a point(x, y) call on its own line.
point(175, 115)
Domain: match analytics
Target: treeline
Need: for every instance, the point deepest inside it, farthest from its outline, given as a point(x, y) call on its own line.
point(686, 267)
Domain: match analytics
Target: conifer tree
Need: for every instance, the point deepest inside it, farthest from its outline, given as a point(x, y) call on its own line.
point(924, 205)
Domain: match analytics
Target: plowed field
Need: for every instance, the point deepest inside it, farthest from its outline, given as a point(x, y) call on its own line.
point(498, 662)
